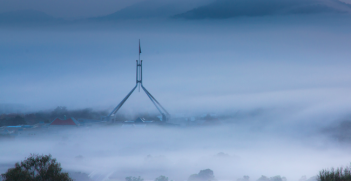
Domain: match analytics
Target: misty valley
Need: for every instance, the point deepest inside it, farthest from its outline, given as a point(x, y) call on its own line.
point(151, 90)
point(243, 145)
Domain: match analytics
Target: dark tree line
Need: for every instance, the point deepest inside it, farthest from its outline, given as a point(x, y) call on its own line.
point(12, 121)
point(47, 116)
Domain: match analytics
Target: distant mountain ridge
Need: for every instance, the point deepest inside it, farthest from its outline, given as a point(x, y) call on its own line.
point(191, 9)
point(221, 9)
point(154, 9)
point(26, 16)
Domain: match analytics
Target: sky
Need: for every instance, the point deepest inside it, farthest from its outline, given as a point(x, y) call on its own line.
point(66, 8)
point(280, 82)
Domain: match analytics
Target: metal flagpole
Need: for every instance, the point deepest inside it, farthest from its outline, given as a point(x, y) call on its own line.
point(139, 64)
point(139, 82)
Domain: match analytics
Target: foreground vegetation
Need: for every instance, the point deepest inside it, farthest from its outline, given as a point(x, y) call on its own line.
point(338, 174)
point(36, 168)
point(45, 168)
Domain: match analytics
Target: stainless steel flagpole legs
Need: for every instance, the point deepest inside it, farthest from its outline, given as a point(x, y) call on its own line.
point(139, 83)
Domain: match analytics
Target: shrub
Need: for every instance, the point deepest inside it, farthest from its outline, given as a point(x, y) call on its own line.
point(275, 178)
point(278, 178)
point(203, 175)
point(338, 174)
point(245, 178)
point(263, 178)
point(134, 179)
point(161, 178)
point(36, 168)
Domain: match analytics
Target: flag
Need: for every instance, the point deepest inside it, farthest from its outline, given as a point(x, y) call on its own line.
point(139, 47)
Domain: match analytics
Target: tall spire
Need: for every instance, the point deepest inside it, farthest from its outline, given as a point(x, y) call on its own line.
point(139, 82)
point(139, 50)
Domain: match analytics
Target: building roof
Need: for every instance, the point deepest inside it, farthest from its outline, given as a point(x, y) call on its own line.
point(68, 121)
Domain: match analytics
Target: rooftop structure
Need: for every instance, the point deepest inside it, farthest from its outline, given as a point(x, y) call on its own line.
point(68, 121)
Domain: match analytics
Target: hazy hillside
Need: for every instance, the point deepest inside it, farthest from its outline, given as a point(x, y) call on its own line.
point(154, 9)
point(235, 8)
point(26, 16)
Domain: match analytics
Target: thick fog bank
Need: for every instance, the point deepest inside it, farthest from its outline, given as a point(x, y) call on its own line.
point(230, 150)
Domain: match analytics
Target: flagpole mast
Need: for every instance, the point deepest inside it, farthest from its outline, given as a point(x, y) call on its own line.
point(139, 82)
point(139, 65)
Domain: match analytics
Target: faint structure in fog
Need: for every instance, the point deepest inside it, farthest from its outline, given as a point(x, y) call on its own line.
point(139, 82)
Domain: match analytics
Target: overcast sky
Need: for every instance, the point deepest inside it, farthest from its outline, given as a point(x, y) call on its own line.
point(67, 8)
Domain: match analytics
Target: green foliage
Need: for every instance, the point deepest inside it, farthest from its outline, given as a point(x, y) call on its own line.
point(161, 178)
point(36, 168)
point(338, 174)
point(134, 179)
point(203, 175)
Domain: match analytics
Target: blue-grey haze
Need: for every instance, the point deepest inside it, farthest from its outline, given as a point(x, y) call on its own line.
point(284, 81)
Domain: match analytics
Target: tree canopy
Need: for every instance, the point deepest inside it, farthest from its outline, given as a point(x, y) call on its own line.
point(36, 168)
point(134, 179)
point(203, 175)
point(161, 178)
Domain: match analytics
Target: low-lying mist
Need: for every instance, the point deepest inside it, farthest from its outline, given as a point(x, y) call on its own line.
point(278, 86)
point(255, 143)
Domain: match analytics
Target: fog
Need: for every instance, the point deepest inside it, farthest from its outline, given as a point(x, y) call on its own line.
point(230, 150)
point(279, 85)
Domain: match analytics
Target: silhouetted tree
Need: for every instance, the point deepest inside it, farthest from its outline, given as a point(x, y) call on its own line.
point(275, 178)
point(134, 179)
point(203, 175)
point(245, 178)
point(13, 121)
point(18, 120)
point(36, 168)
point(161, 178)
point(278, 178)
point(263, 178)
point(60, 111)
point(338, 174)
